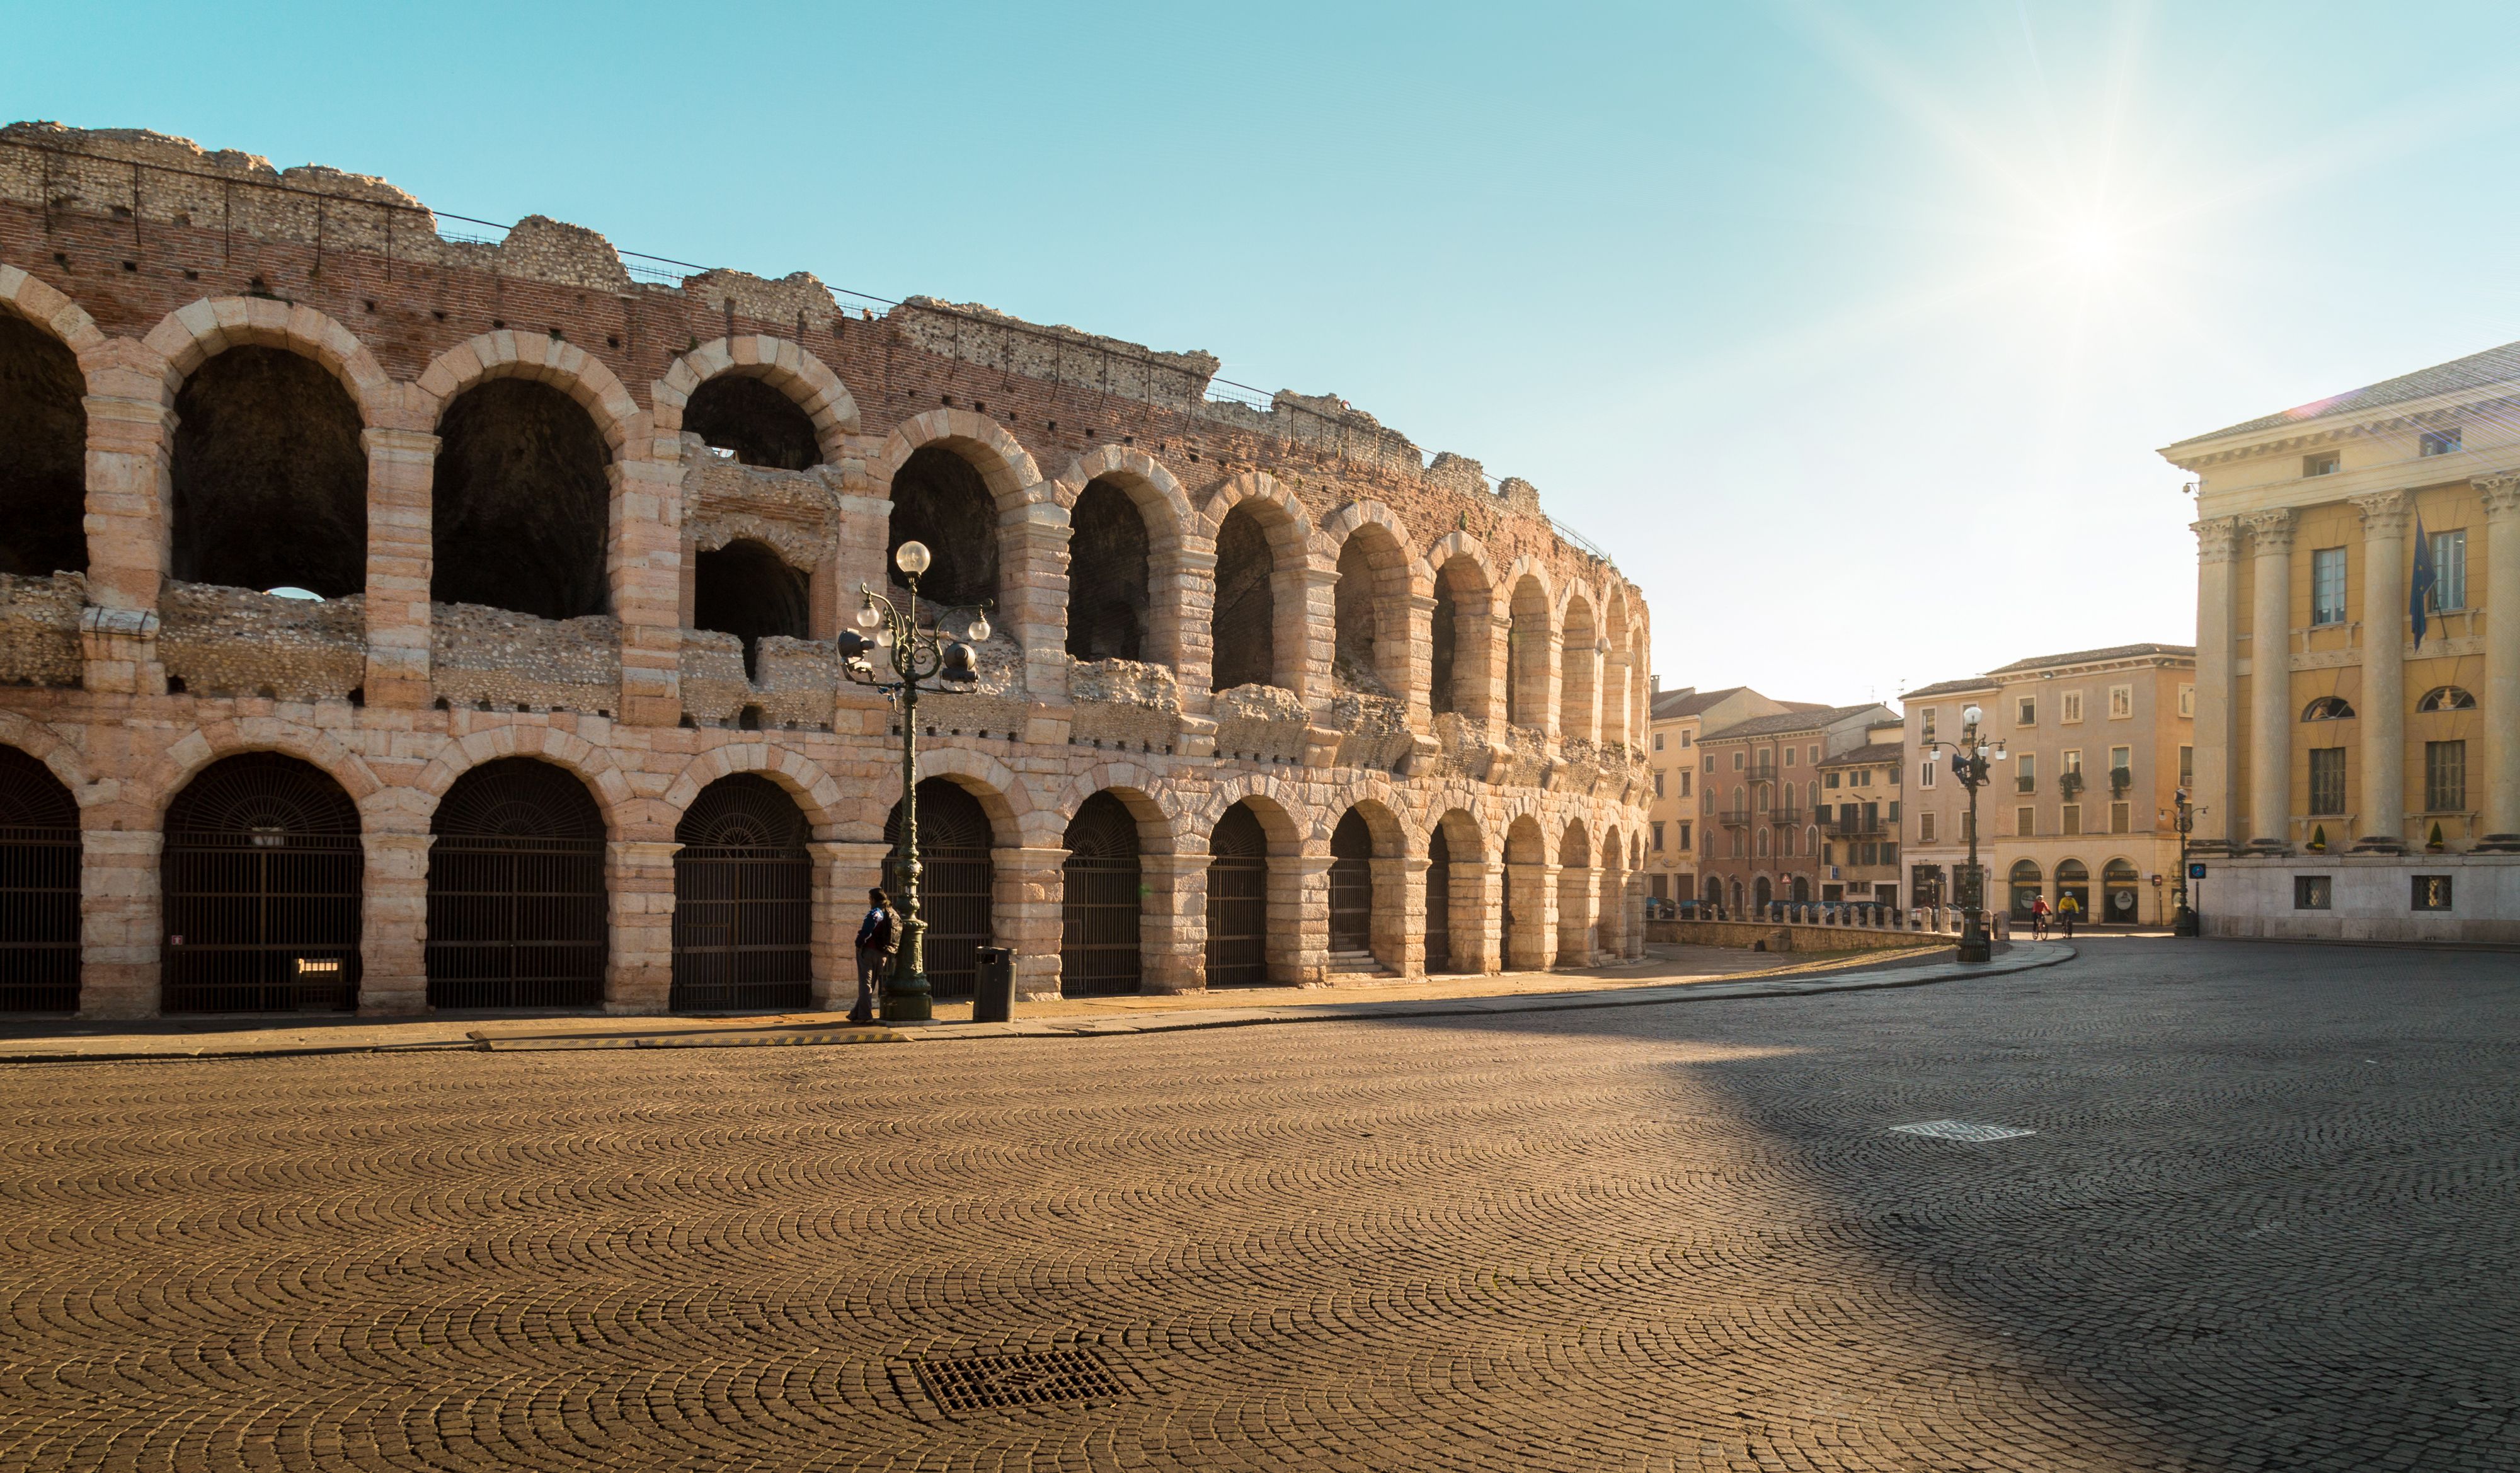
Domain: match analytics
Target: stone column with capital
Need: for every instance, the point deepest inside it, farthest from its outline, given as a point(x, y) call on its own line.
point(2271, 681)
point(2217, 736)
point(2501, 725)
point(2383, 710)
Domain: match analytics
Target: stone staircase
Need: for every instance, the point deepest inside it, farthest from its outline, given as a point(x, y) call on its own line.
point(1356, 964)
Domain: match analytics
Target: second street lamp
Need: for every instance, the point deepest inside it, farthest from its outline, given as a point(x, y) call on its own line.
point(1969, 759)
point(936, 658)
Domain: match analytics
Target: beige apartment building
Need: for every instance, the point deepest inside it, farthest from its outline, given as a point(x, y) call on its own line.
point(1759, 839)
point(1858, 813)
point(1678, 719)
point(2096, 744)
point(2366, 786)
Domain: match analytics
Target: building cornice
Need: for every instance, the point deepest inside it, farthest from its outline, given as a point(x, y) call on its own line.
point(2309, 434)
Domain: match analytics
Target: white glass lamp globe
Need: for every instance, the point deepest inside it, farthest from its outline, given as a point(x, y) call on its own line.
point(1969, 715)
point(868, 616)
point(979, 629)
point(911, 558)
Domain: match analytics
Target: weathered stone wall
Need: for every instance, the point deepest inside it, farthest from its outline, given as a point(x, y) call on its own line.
point(39, 629)
point(236, 641)
point(511, 661)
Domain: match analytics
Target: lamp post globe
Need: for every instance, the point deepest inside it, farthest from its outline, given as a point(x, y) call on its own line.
point(911, 558)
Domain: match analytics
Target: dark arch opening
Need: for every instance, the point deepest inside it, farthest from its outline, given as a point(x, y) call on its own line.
point(1443, 640)
point(39, 888)
point(956, 882)
point(1245, 621)
point(1106, 576)
point(763, 427)
point(1238, 899)
point(749, 591)
point(520, 502)
point(270, 480)
point(1098, 943)
point(43, 454)
point(263, 882)
point(939, 498)
point(1439, 902)
point(516, 890)
point(1526, 686)
point(1350, 885)
point(1355, 660)
point(1575, 921)
point(744, 900)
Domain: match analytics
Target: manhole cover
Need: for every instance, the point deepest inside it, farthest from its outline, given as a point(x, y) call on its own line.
point(984, 1383)
point(1962, 1130)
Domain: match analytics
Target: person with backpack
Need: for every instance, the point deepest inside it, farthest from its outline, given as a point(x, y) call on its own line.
point(878, 938)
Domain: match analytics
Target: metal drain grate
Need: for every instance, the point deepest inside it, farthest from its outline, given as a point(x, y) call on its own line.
point(985, 1383)
point(1962, 1130)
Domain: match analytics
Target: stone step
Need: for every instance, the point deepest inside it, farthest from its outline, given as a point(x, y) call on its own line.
point(1356, 963)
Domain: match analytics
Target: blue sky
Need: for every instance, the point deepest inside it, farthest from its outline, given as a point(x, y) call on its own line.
point(1849, 328)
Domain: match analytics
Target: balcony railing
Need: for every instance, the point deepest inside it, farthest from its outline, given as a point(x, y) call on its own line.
point(2025, 785)
point(1734, 818)
point(1856, 825)
point(1785, 817)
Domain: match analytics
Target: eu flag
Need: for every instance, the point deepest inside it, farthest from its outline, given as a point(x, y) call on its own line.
point(2419, 588)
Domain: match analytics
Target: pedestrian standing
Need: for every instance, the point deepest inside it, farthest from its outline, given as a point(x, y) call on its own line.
point(878, 937)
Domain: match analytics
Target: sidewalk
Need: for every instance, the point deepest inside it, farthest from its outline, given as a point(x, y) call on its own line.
point(1671, 974)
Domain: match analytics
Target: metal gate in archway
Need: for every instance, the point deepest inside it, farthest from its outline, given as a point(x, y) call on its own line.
point(1238, 899)
point(39, 888)
point(261, 879)
point(743, 901)
point(1439, 902)
point(1352, 884)
point(516, 890)
point(957, 883)
point(1099, 951)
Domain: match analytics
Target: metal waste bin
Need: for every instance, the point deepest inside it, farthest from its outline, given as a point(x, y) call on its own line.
point(993, 1000)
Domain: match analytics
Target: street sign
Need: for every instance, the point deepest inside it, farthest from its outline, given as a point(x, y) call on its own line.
point(2195, 871)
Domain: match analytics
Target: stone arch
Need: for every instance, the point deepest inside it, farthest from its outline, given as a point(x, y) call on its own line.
point(156, 785)
point(1157, 591)
point(47, 746)
point(959, 483)
point(1285, 815)
point(511, 354)
point(1260, 616)
point(37, 301)
point(799, 776)
point(267, 474)
point(1002, 796)
point(786, 365)
point(749, 587)
point(43, 456)
point(626, 815)
point(1463, 646)
point(1526, 917)
point(1373, 613)
point(1004, 465)
point(1134, 788)
point(194, 333)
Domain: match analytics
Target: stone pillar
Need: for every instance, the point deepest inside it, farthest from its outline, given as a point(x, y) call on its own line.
point(1029, 915)
point(2217, 730)
point(1478, 918)
point(1299, 918)
point(1532, 943)
point(1185, 624)
point(401, 466)
point(1413, 622)
point(1399, 932)
point(1484, 698)
point(1032, 590)
point(393, 922)
point(2382, 709)
point(2271, 681)
point(130, 440)
point(121, 924)
point(1575, 917)
point(2500, 698)
point(1174, 922)
point(639, 891)
point(1307, 633)
point(645, 565)
point(1615, 725)
point(843, 872)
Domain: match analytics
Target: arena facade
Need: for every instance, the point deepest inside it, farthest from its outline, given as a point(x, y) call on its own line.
point(549, 713)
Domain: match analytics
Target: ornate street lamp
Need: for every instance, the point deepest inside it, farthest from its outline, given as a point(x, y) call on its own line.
point(1969, 758)
point(937, 659)
point(2182, 924)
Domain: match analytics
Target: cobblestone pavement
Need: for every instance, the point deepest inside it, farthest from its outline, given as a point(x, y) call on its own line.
point(2265, 1222)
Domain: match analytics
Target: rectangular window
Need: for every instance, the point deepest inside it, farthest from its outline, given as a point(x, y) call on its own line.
point(2327, 586)
point(2072, 759)
point(2188, 767)
point(1688, 740)
point(1894, 813)
point(1740, 758)
point(2073, 820)
point(1736, 843)
point(2121, 767)
point(1815, 754)
point(1657, 838)
point(2325, 463)
point(1657, 782)
point(2445, 777)
point(2025, 822)
point(2432, 892)
point(1929, 734)
point(2025, 773)
point(1924, 828)
point(1789, 756)
point(2119, 816)
point(1889, 854)
point(2311, 892)
point(2120, 702)
point(1657, 742)
point(2449, 570)
point(1684, 835)
point(1890, 775)
point(1685, 776)
point(1830, 782)
point(1925, 773)
point(2438, 442)
point(1710, 762)
point(2188, 702)
point(2071, 706)
point(2026, 713)
point(2327, 780)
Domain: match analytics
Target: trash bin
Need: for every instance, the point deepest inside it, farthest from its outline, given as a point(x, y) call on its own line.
point(993, 1000)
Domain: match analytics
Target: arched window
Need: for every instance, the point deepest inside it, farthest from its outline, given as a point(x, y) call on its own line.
point(957, 882)
point(1714, 891)
point(39, 887)
point(1238, 899)
point(939, 499)
point(2327, 709)
point(1766, 893)
point(2120, 881)
point(516, 911)
point(520, 502)
point(2072, 879)
point(744, 900)
point(1802, 888)
point(753, 421)
point(43, 453)
point(270, 479)
point(1106, 576)
point(1737, 896)
point(1245, 619)
point(746, 590)
point(2025, 887)
point(1811, 840)
point(1740, 799)
point(1098, 944)
point(262, 874)
point(2446, 698)
point(1762, 842)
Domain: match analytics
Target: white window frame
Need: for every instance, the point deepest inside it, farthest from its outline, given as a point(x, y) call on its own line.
point(2025, 710)
point(1925, 773)
point(2069, 707)
point(2120, 702)
point(2188, 702)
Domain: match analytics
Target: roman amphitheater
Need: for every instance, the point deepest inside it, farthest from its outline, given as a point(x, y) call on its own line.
point(546, 711)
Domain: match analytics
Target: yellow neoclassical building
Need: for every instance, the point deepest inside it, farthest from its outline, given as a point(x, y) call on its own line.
point(2358, 661)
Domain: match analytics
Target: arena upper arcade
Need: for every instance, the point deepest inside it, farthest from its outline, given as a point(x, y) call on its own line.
point(391, 619)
